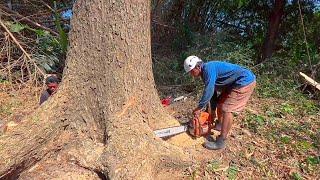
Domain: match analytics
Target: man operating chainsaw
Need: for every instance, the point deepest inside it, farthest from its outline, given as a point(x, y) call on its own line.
point(235, 84)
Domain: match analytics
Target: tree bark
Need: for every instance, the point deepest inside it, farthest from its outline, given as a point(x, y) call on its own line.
point(99, 124)
point(274, 24)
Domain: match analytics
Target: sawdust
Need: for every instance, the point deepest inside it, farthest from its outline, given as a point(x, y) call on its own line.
point(9, 126)
point(170, 122)
point(184, 140)
point(16, 104)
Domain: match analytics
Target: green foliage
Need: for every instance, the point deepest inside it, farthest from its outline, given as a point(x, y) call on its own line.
point(242, 3)
point(63, 38)
point(16, 27)
point(232, 172)
point(316, 139)
point(296, 176)
point(184, 38)
point(313, 160)
point(293, 42)
point(50, 50)
point(170, 72)
point(287, 108)
point(310, 164)
point(269, 86)
point(304, 145)
point(214, 165)
point(254, 122)
point(284, 121)
point(243, 25)
point(4, 81)
point(306, 106)
point(241, 55)
point(285, 139)
point(47, 62)
point(278, 80)
point(41, 32)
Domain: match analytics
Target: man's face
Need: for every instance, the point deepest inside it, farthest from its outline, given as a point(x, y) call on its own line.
point(195, 72)
point(52, 87)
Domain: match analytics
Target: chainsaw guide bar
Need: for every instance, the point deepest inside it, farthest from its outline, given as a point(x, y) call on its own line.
point(171, 131)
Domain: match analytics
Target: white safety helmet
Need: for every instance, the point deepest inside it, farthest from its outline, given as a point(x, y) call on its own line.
point(191, 62)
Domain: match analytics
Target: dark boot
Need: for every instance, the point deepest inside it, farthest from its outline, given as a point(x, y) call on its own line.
point(219, 143)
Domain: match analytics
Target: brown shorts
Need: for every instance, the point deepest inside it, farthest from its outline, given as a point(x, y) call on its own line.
point(236, 99)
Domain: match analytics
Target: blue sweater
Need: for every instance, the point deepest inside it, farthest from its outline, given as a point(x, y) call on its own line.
point(222, 75)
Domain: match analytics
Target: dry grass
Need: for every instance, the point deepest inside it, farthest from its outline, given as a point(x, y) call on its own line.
point(17, 103)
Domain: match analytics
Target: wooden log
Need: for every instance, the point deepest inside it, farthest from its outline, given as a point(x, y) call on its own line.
point(310, 81)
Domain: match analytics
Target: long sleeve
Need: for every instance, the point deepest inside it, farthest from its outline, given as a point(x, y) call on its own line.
point(209, 81)
point(44, 96)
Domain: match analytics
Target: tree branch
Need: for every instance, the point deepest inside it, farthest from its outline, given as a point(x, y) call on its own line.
point(26, 19)
point(22, 49)
point(231, 25)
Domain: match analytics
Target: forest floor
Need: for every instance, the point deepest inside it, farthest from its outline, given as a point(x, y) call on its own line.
point(268, 140)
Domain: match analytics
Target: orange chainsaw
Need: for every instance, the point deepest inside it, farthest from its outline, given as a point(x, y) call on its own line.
point(200, 125)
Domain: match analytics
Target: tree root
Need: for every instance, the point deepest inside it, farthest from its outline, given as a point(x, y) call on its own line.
point(67, 147)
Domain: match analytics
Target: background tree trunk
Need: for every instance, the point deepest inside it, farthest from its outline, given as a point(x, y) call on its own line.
point(274, 23)
point(99, 124)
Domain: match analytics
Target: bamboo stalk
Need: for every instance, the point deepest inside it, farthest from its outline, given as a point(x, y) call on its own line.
point(310, 81)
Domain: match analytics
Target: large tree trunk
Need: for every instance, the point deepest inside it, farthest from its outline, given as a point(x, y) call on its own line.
point(274, 23)
point(99, 124)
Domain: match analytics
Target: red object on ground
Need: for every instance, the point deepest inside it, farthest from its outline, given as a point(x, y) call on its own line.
point(166, 101)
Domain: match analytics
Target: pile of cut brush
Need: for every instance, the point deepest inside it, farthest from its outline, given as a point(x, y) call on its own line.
point(32, 41)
